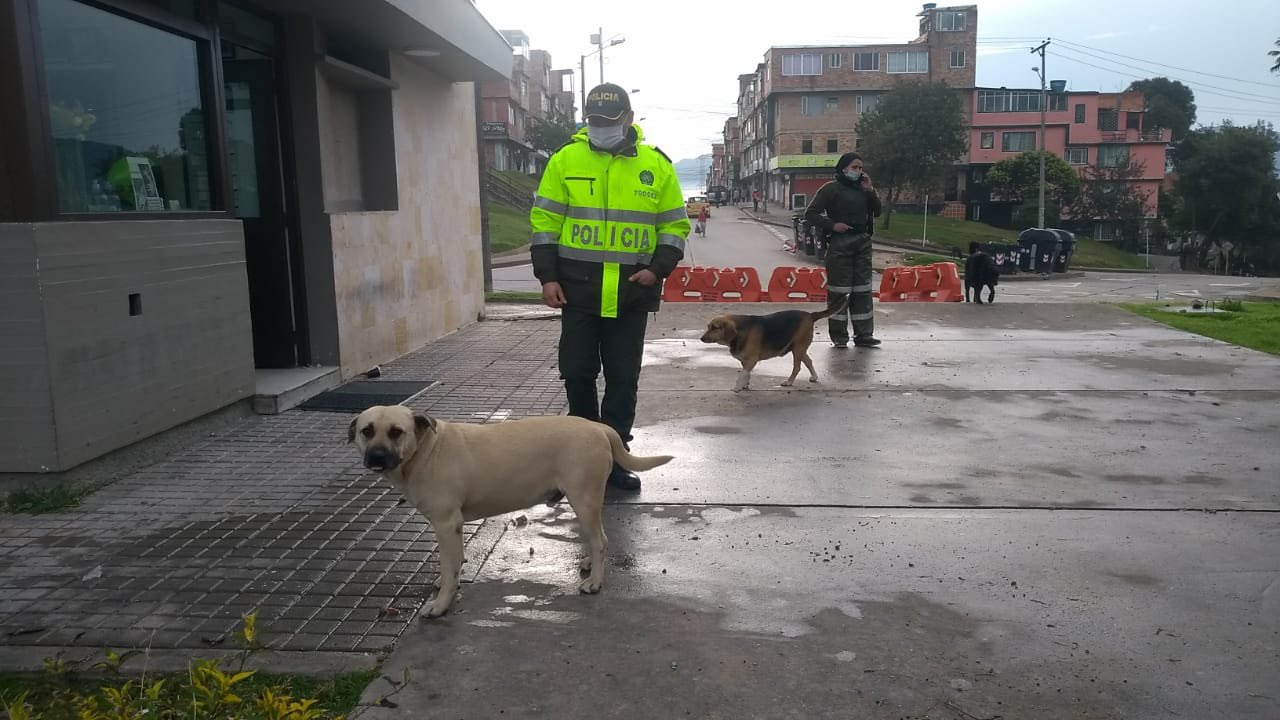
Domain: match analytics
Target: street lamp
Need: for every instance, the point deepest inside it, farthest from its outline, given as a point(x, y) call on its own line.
point(597, 39)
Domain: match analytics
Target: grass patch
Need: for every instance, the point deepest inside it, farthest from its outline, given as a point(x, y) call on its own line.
point(528, 183)
point(1255, 325)
point(508, 228)
point(926, 259)
point(39, 501)
point(208, 690)
point(952, 233)
point(513, 296)
point(54, 694)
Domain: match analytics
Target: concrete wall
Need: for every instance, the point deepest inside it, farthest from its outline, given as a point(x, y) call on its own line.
point(405, 278)
point(117, 371)
point(27, 442)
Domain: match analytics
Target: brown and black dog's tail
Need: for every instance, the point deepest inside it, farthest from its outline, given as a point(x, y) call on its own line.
point(830, 311)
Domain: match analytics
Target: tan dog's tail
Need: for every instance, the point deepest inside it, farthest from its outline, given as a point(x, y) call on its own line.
point(830, 311)
point(634, 463)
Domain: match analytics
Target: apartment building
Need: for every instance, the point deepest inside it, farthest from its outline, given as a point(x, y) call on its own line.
point(716, 177)
point(798, 112)
point(1102, 130)
point(732, 153)
point(534, 90)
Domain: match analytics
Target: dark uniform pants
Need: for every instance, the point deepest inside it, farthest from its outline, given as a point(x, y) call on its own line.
point(849, 273)
point(588, 341)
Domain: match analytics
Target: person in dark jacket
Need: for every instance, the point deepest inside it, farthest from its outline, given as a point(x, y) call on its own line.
point(845, 209)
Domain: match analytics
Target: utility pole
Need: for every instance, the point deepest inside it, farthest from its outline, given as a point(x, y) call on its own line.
point(582, 82)
point(600, 44)
point(1044, 101)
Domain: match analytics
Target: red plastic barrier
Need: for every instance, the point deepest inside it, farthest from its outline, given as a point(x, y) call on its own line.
point(939, 282)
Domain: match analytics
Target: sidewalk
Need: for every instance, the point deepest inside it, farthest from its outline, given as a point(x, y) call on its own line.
point(276, 512)
point(1018, 510)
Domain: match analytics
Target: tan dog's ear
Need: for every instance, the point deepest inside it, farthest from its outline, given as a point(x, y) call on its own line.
point(423, 422)
point(351, 431)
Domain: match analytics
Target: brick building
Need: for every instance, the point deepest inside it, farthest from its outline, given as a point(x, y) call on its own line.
point(1103, 130)
point(534, 90)
point(799, 110)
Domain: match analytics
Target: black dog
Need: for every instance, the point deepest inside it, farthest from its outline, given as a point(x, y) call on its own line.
point(980, 271)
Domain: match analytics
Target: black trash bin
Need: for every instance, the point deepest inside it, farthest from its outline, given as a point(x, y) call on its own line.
point(1006, 257)
point(1038, 250)
point(1068, 240)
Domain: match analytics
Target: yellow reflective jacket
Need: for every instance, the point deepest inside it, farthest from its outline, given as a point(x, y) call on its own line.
point(601, 216)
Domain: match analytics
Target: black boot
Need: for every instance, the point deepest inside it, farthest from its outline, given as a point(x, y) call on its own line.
point(624, 479)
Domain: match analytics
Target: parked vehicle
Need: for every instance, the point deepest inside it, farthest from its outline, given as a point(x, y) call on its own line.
point(695, 204)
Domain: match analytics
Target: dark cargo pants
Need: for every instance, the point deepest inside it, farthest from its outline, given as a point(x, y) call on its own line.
point(849, 274)
point(588, 341)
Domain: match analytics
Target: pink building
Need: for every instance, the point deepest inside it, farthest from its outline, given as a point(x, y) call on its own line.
point(1083, 128)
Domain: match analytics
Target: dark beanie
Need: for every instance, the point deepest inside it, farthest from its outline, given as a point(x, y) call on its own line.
point(845, 159)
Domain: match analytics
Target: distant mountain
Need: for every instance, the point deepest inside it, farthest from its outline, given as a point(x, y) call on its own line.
point(692, 172)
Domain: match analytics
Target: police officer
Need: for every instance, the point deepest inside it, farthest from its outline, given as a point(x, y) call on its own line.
point(609, 224)
point(850, 203)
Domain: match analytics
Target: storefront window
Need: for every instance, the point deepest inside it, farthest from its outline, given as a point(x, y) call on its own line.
point(129, 126)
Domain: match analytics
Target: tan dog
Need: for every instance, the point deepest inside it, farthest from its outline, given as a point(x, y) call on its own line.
point(752, 338)
point(456, 472)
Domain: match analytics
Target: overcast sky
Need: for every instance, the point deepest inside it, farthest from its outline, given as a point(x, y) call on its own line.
point(685, 57)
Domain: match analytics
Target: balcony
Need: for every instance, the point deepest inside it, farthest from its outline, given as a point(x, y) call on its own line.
point(1133, 135)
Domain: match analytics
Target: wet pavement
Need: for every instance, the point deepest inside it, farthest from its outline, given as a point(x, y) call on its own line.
point(1022, 511)
point(1028, 510)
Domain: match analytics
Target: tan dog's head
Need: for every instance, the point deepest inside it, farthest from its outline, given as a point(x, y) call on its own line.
point(721, 330)
point(388, 435)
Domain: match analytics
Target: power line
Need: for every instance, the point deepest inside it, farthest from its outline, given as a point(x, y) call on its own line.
point(1214, 89)
point(1175, 67)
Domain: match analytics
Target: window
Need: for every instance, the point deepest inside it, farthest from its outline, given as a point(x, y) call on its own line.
point(1079, 113)
point(1078, 156)
point(1133, 120)
point(1113, 155)
point(1017, 141)
point(130, 132)
point(957, 58)
point(1057, 103)
point(866, 61)
point(833, 60)
point(988, 140)
point(1011, 101)
point(951, 21)
point(802, 64)
point(812, 104)
point(979, 175)
point(832, 145)
point(908, 61)
point(865, 103)
point(1108, 119)
point(833, 104)
point(806, 147)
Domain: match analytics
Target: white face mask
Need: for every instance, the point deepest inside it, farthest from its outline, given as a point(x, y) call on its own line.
point(853, 175)
point(607, 136)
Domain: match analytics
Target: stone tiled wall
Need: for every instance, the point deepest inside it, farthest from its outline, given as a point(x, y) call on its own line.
point(407, 277)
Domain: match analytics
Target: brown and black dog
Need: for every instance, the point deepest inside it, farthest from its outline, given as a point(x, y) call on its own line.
point(752, 338)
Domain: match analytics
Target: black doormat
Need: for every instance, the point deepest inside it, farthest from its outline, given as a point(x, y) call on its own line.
point(358, 395)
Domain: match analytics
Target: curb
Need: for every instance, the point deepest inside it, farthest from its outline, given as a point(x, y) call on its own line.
point(511, 258)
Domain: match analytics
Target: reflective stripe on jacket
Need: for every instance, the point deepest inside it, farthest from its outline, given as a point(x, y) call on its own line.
point(601, 216)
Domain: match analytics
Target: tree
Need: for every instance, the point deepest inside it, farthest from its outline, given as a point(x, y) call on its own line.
point(549, 133)
point(1112, 195)
point(1169, 104)
point(915, 134)
point(1275, 66)
point(1227, 186)
point(1017, 179)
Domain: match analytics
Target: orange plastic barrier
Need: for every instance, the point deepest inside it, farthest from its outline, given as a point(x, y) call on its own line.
point(702, 284)
point(798, 284)
point(939, 282)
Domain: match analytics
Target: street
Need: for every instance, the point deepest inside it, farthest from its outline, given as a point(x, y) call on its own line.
point(733, 240)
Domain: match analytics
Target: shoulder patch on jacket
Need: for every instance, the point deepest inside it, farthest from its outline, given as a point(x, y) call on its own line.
point(659, 151)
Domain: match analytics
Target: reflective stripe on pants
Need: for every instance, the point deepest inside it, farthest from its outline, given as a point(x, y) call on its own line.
point(849, 274)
